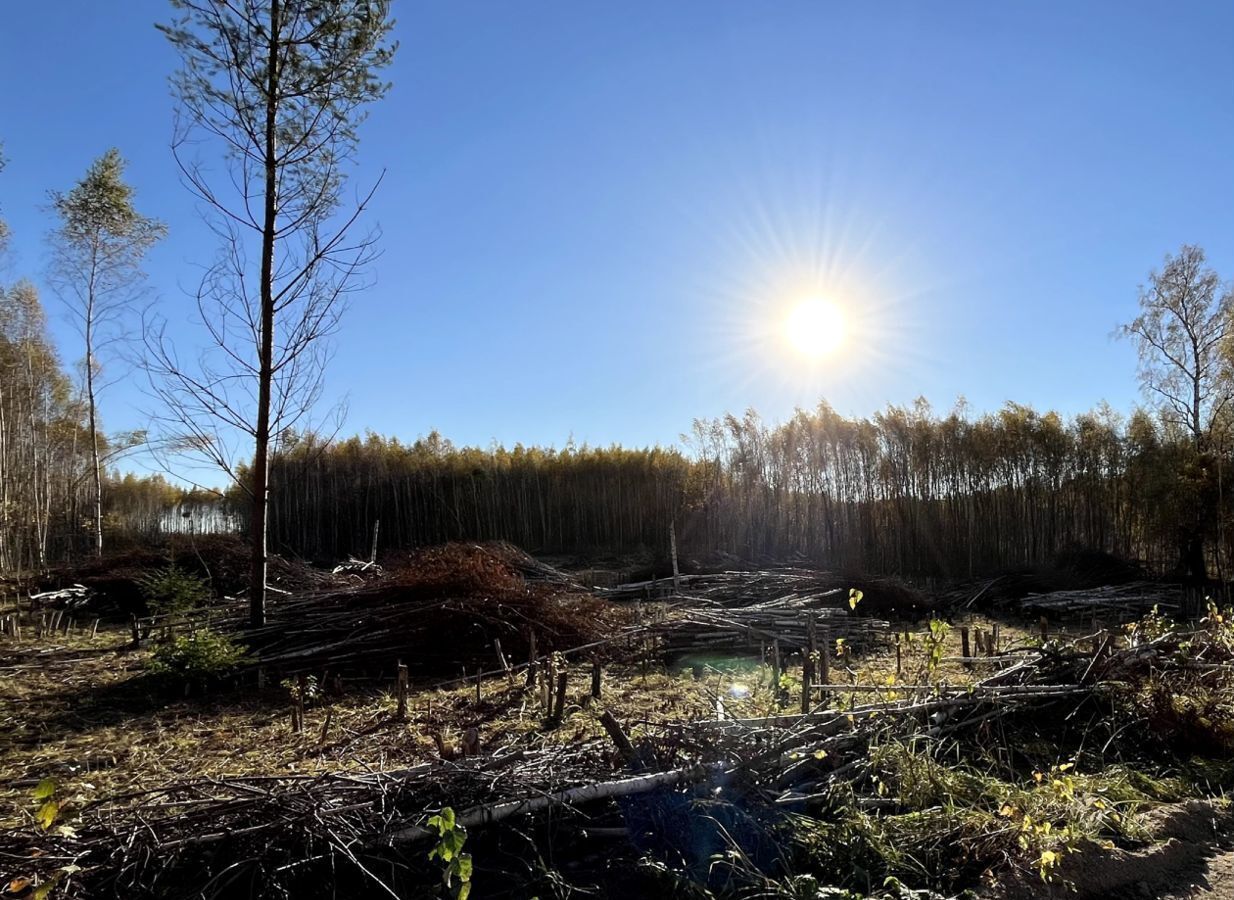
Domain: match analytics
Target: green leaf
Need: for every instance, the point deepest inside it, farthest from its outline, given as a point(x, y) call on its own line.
point(447, 817)
point(464, 867)
point(45, 790)
point(43, 891)
point(453, 843)
point(464, 890)
point(46, 816)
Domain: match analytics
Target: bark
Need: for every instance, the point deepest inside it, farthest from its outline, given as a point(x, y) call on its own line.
point(261, 459)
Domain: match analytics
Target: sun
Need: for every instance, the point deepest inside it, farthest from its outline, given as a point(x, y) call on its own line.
point(815, 327)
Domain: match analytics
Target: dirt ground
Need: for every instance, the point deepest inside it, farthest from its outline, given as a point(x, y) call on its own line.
point(1191, 858)
point(1214, 880)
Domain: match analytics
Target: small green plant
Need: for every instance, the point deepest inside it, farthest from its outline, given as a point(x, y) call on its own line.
point(196, 659)
point(456, 865)
point(790, 683)
point(854, 597)
point(48, 806)
point(173, 589)
point(937, 638)
point(1152, 626)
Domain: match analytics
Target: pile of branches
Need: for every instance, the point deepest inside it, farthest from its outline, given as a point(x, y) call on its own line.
point(753, 629)
point(73, 597)
point(114, 581)
point(788, 587)
point(271, 835)
point(442, 608)
point(278, 835)
point(282, 835)
point(1124, 601)
point(438, 562)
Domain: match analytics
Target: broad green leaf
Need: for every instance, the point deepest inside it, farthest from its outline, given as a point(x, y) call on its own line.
point(43, 891)
point(46, 816)
point(454, 841)
point(45, 790)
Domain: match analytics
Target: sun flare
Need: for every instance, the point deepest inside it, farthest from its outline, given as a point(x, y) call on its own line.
point(815, 328)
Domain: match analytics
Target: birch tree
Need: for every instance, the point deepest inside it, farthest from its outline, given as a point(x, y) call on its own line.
point(279, 89)
point(97, 252)
point(1182, 334)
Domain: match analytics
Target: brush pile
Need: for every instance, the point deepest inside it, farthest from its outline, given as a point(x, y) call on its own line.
point(281, 835)
point(1120, 602)
point(441, 608)
point(752, 629)
point(788, 588)
point(114, 582)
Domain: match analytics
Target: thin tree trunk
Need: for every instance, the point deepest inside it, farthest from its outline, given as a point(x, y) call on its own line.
point(94, 431)
point(261, 458)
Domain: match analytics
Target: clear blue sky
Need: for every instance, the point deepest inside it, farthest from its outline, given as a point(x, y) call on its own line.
point(595, 213)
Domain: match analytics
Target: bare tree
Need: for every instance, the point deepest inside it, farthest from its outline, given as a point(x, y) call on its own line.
point(97, 251)
point(4, 226)
point(280, 88)
point(1182, 333)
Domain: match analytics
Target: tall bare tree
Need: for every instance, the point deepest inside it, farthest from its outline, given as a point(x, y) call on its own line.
point(1183, 334)
point(97, 252)
point(4, 226)
point(280, 88)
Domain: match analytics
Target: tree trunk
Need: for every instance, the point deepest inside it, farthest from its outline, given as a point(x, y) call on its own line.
point(96, 467)
point(261, 459)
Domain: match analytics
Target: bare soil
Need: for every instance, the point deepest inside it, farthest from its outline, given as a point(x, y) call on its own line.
point(1191, 857)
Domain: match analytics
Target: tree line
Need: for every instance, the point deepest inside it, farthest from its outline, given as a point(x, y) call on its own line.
point(906, 491)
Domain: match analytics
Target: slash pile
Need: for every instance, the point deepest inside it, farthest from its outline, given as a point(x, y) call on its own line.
point(787, 587)
point(365, 834)
point(443, 608)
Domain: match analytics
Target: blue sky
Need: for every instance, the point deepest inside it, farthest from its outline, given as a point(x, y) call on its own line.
point(595, 215)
